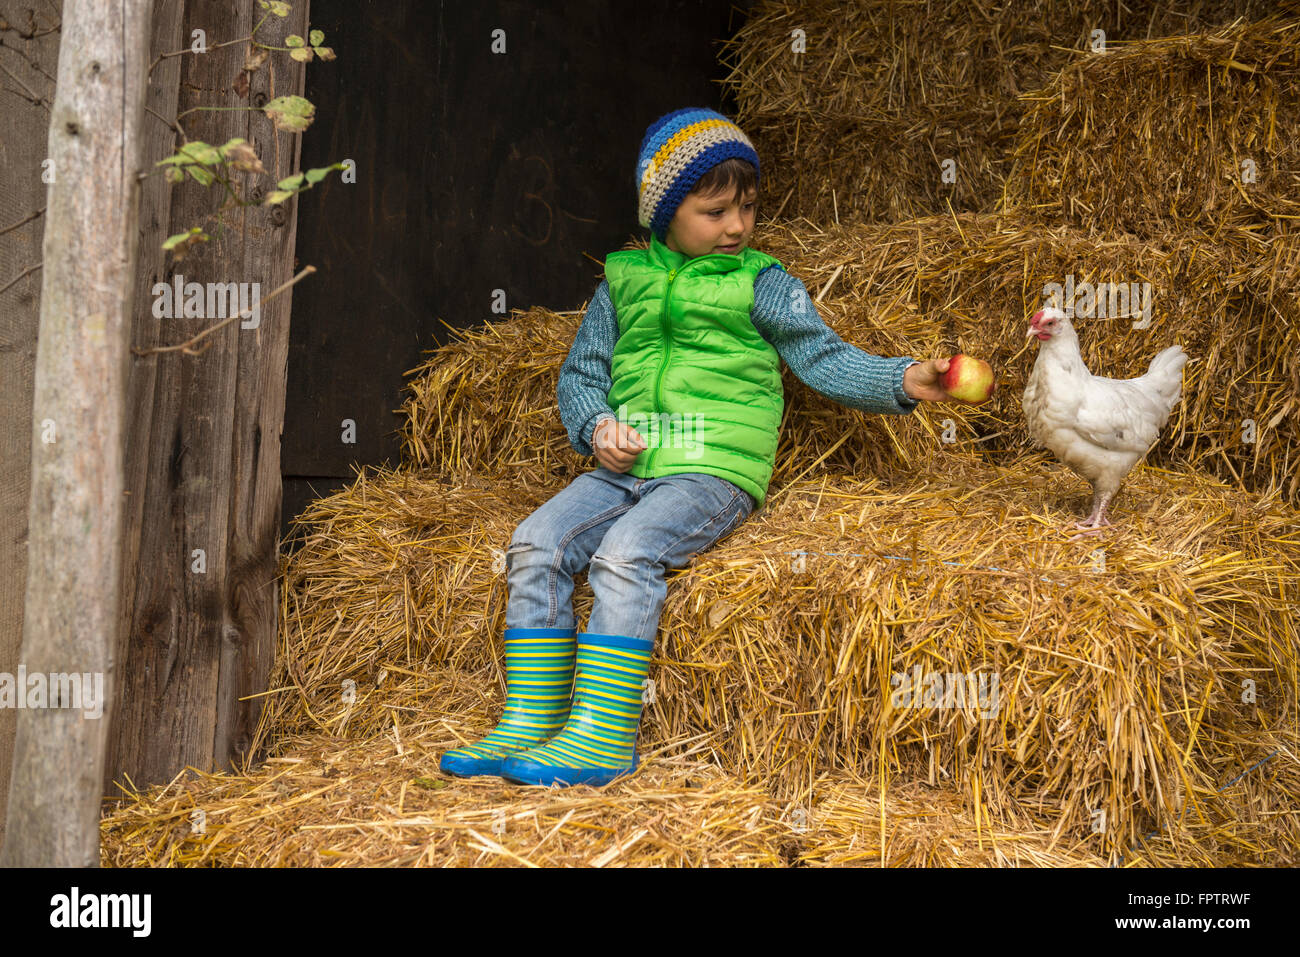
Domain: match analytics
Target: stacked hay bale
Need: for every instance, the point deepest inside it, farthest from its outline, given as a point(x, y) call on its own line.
point(1183, 135)
point(855, 107)
point(777, 661)
point(1192, 140)
point(928, 287)
point(775, 677)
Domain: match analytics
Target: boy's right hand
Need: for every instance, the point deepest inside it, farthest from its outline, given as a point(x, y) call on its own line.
point(616, 445)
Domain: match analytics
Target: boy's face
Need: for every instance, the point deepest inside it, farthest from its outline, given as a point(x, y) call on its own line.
point(716, 223)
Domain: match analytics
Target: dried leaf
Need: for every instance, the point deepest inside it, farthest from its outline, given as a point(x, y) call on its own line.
point(255, 56)
point(293, 114)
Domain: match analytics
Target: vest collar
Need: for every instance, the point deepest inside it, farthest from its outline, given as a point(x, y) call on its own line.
point(667, 258)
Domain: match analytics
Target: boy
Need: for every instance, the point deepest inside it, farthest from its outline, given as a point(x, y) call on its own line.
point(686, 340)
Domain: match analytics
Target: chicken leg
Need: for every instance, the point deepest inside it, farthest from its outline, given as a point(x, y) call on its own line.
point(1097, 520)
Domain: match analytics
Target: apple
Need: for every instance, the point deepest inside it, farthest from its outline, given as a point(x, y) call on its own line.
point(968, 379)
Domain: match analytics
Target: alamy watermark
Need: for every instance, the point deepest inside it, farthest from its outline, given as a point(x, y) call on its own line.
point(82, 691)
point(966, 689)
point(666, 430)
point(1102, 300)
point(208, 300)
point(75, 909)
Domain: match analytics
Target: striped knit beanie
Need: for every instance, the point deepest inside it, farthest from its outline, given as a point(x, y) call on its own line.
point(678, 149)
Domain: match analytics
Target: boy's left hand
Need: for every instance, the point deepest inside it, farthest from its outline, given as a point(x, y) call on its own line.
point(922, 381)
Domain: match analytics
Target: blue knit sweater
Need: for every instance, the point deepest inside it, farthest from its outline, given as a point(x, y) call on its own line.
point(783, 313)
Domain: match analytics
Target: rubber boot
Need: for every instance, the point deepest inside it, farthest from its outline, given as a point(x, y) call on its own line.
point(598, 743)
point(539, 683)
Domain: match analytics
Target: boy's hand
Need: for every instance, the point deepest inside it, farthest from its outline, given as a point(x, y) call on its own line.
point(616, 445)
point(922, 382)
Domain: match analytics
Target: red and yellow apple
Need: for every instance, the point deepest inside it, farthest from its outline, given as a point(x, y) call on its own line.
point(968, 379)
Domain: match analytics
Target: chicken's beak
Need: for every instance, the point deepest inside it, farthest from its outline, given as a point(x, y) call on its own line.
point(1031, 331)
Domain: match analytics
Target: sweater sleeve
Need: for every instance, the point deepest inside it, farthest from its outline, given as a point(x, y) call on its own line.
point(784, 314)
point(585, 378)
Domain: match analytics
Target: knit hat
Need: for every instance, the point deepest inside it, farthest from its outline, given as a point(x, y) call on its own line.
point(678, 149)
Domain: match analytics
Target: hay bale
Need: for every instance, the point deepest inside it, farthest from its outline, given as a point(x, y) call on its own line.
point(855, 128)
point(932, 287)
point(1121, 685)
point(968, 283)
point(777, 672)
point(397, 583)
point(485, 403)
point(851, 824)
point(924, 826)
point(1151, 137)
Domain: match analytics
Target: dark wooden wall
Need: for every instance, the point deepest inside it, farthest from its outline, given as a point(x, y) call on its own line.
point(475, 171)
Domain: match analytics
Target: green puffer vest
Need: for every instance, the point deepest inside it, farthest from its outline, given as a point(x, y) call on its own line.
point(690, 372)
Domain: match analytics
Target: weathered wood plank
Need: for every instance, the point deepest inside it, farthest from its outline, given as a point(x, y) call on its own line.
point(29, 48)
point(74, 559)
point(205, 462)
point(252, 599)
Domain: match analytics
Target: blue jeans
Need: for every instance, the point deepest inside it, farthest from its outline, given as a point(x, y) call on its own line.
point(631, 530)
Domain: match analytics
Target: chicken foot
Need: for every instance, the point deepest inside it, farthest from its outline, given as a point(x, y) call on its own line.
point(1095, 522)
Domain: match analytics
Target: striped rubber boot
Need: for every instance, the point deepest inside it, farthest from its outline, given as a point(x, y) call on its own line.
point(539, 686)
point(598, 744)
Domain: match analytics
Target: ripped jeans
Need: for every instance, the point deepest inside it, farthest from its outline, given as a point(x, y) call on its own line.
point(631, 530)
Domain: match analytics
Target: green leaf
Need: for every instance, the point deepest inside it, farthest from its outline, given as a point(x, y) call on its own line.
point(291, 182)
point(293, 40)
point(191, 233)
point(279, 9)
point(277, 196)
point(201, 174)
point(317, 37)
point(325, 53)
point(193, 152)
point(430, 784)
point(174, 175)
point(290, 113)
point(179, 245)
point(318, 174)
point(202, 153)
point(302, 56)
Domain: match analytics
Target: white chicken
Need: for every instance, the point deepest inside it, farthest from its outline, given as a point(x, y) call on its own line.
point(1100, 428)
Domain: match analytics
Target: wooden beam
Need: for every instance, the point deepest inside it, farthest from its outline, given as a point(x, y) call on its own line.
point(29, 48)
point(75, 517)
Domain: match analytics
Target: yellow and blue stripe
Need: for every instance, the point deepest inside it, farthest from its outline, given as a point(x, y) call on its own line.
point(598, 742)
point(539, 689)
point(676, 151)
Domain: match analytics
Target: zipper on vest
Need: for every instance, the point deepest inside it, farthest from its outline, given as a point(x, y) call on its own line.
point(659, 379)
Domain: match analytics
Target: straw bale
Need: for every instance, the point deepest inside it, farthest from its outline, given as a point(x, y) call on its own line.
point(1120, 685)
point(397, 580)
point(1151, 137)
point(486, 405)
point(968, 283)
point(924, 826)
point(486, 402)
point(855, 128)
point(777, 671)
point(921, 826)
